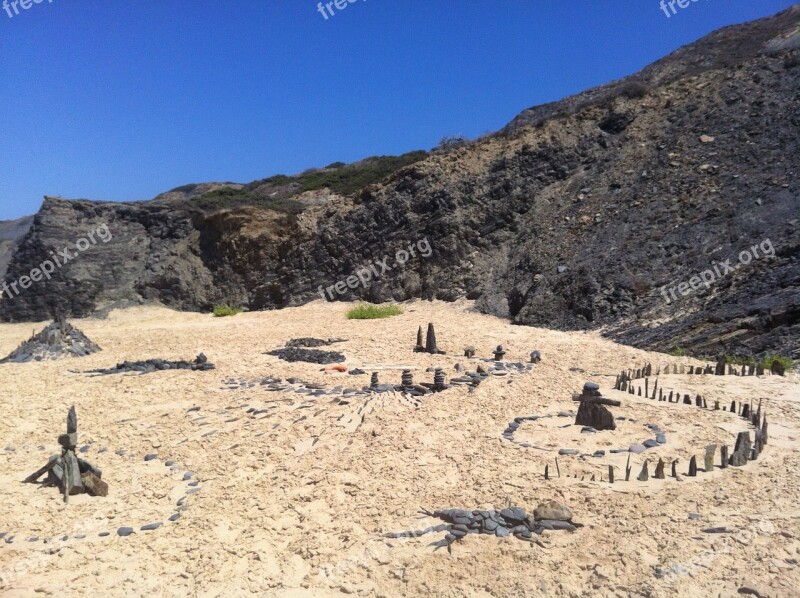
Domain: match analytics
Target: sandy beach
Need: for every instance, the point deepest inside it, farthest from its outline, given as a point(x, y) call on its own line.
point(294, 491)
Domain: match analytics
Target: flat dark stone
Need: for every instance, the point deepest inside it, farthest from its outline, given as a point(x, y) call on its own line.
point(661, 439)
point(187, 476)
point(174, 516)
point(151, 526)
point(650, 443)
point(150, 457)
point(104, 534)
point(125, 531)
point(169, 463)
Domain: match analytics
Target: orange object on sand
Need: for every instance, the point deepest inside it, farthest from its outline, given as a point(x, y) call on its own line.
point(336, 368)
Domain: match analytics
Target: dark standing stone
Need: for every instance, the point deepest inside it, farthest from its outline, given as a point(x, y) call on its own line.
point(646, 387)
point(659, 473)
point(595, 416)
point(72, 421)
point(644, 474)
point(611, 474)
point(733, 406)
point(777, 368)
point(675, 468)
point(723, 454)
point(693, 467)
point(420, 347)
point(746, 411)
point(373, 380)
point(741, 452)
point(430, 342)
point(719, 370)
point(764, 431)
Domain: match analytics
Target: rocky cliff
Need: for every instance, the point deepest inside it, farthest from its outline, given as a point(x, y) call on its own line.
point(579, 214)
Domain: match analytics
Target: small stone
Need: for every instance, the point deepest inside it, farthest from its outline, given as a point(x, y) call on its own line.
point(151, 526)
point(93, 485)
point(750, 589)
point(174, 516)
point(150, 457)
point(695, 516)
point(637, 449)
point(568, 451)
point(124, 531)
point(187, 476)
point(169, 463)
point(104, 534)
point(650, 443)
point(661, 439)
point(552, 510)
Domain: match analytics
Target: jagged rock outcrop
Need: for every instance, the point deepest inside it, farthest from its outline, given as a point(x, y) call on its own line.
point(574, 216)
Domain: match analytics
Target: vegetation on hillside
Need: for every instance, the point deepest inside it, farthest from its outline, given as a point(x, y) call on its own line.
point(276, 192)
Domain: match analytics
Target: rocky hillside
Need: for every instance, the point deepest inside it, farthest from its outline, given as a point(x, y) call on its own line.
point(574, 216)
point(11, 231)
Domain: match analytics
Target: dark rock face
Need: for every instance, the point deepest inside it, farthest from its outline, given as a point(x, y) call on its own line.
point(576, 215)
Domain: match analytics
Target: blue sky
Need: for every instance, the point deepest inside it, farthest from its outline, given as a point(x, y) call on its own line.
point(121, 100)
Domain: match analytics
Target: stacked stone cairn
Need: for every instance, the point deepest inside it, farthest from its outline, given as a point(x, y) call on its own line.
point(71, 474)
point(58, 339)
point(592, 412)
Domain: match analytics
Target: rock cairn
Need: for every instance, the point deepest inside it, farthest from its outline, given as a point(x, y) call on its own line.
point(58, 339)
point(592, 412)
point(513, 521)
point(499, 352)
point(536, 357)
point(200, 363)
point(430, 342)
point(71, 474)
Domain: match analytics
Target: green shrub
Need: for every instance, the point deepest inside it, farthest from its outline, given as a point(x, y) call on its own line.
point(785, 361)
point(220, 311)
point(365, 311)
point(736, 360)
point(678, 352)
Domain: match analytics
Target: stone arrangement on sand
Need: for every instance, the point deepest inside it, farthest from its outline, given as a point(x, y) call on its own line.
point(298, 350)
point(513, 521)
point(200, 363)
point(58, 339)
point(592, 412)
point(430, 345)
point(71, 474)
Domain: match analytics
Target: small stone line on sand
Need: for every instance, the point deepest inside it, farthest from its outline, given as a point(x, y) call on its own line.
point(124, 531)
point(508, 434)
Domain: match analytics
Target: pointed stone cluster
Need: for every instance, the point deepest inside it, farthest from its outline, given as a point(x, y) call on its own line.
point(58, 339)
point(71, 474)
point(430, 345)
point(592, 412)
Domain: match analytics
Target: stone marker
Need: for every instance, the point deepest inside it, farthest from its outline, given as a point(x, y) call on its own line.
point(741, 452)
point(420, 348)
point(723, 454)
point(644, 475)
point(659, 472)
point(711, 449)
point(693, 467)
point(430, 342)
point(498, 353)
point(536, 357)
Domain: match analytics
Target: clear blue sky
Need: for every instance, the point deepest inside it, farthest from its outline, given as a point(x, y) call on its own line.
point(123, 99)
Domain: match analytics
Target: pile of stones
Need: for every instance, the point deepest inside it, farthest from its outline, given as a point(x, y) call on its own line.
point(71, 474)
point(309, 342)
point(58, 339)
point(592, 412)
point(293, 354)
point(200, 363)
point(512, 521)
